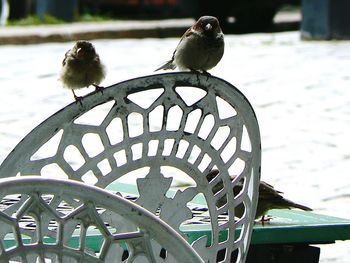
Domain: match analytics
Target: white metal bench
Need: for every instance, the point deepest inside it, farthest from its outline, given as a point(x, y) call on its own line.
point(54, 218)
point(156, 132)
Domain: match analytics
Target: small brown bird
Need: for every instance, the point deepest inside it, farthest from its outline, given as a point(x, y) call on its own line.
point(269, 198)
point(200, 48)
point(81, 67)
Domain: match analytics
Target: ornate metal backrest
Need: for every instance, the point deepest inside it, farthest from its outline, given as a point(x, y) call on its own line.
point(62, 214)
point(161, 129)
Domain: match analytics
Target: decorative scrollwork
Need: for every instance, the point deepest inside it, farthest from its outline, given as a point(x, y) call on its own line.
point(162, 129)
point(41, 230)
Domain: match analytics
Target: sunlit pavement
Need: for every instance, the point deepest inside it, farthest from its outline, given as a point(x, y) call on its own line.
point(299, 90)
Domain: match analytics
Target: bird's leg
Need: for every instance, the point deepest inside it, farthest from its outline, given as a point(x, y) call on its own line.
point(77, 98)
point(98, 88)
point(197, 73)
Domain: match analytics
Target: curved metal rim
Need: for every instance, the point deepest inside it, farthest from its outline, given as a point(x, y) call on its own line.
point(170, 239)
point(52, 124)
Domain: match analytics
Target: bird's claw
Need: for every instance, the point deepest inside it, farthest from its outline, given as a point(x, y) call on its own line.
point(207, 74)
point(265, 219)
point(78, 99)
point(198, 72)
point(98, 88)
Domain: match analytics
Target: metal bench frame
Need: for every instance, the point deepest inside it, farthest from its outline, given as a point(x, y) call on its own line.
point(190, 122)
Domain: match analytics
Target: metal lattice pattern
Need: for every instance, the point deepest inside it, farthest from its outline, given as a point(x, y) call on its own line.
point(160, 129)
point(64, 214)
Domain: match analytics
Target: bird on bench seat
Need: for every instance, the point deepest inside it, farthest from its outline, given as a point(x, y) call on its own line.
point(269, 198)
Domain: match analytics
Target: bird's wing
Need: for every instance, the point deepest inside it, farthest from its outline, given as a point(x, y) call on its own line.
point(169, 64)
point(274, 199)
point(64, 62)
point(288, 204)
point(265, 187)
point(268, 192)
point(187, 34)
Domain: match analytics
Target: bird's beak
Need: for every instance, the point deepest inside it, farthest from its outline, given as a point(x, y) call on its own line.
point(208, 27)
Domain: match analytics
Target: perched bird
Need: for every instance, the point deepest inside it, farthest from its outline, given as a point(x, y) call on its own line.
point(269, 198)
point(200, 48)
point(81, 67)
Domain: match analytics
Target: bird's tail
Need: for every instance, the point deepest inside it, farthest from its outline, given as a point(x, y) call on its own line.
point(168, 65)
point(295, 205)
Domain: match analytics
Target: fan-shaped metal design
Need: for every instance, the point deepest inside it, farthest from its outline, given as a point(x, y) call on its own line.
point(46, 207)
point(162, 130)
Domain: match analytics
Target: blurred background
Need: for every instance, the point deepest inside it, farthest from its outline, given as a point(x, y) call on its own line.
point(234, 15)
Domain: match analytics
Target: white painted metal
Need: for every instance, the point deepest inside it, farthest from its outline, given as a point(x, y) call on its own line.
point(162, 129)
point(47, 202)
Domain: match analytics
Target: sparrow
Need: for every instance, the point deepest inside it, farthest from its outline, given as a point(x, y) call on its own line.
point(269, 198)
point(200, 48)
point(82, 67)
